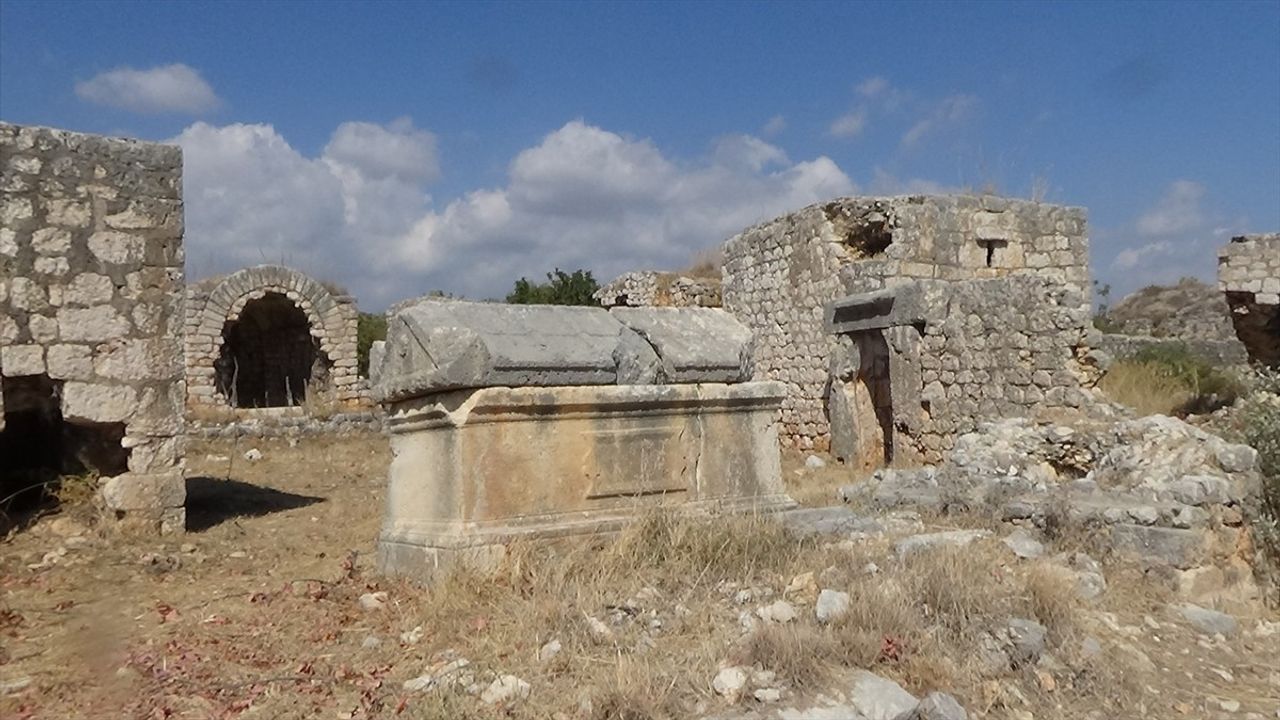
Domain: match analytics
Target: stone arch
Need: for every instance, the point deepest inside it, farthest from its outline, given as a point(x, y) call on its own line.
point(217, 307)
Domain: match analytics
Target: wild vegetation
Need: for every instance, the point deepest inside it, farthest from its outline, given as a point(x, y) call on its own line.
point(1170, 380)
point(561, 288)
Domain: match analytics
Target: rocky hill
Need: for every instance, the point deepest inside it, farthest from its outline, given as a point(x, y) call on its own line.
point(1189, 310)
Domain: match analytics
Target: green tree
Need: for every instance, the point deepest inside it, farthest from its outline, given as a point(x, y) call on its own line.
point(370, 328)
point(561, 288)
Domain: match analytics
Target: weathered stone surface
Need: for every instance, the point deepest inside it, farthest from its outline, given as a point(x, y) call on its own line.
point(1208, 621)
point(475, 468)
point(71, 279)
point(18, 360)
point(936, 706)
point(266, 299)
point(923, 379)
point(693, 344)
point(877, 698)
point(1249, 274)
point(438, 346)
point(659, 289)
point(94, 402)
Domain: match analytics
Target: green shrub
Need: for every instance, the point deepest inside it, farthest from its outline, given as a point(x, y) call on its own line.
point(561, 288)
point(1258, 424)
point(1210, 387)
point(371, 327)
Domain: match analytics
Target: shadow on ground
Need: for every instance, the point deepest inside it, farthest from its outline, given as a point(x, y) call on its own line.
point(213, 501)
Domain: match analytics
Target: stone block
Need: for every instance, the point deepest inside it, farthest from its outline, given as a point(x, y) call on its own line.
point(145, 491)
point(19, 360)
point(98, 402)
point(434, 347)
point(1167, 546)
point(692, 344)
point(474, 469)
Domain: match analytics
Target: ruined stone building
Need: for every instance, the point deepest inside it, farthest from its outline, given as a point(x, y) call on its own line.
point(650, 288)
point(898, 322)
point(91, 283)
point(1249, 274)
point(270, 337)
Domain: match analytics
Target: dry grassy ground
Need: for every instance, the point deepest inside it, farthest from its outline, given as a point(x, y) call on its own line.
point(257, 613)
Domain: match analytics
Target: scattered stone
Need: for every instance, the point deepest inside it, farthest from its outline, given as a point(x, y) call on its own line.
point(1026, 640)
point(549, 650)
point(813, 462)
point(780, 612)
point(505, 688)
point(877, 698)
point(729, 682)
point(253, 454)
point(238, 555)
point(1209, 622)
point(599, 631)
point(370, 641)
point(936, 706)
point(187, 548)
point(1024, 544)
point(831, 606)
point(948, 538)
point(836, 520)
point(412, 637)
point(373, 601)
point(767, 695)
point(803, 586)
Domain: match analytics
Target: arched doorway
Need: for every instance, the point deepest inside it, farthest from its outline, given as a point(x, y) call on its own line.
point(269, 356)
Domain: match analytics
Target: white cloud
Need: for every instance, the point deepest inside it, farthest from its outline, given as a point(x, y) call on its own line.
point(873, 86)
point(582, 197)
point(1177, 211)
point(885, 183)
point(1176, 237)
point(175, 88)
point(776, 124)
point(849, 125)
point(1133, 257)
point(950, 111)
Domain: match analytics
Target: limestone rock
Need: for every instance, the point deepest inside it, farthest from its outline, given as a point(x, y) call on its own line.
point(504, 689)
point(1210, 622)
point(877, 698)
point(831, 606)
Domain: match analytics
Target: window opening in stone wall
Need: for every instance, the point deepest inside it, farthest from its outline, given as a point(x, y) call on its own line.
point(995, 251)
point(269, 357)
point(43, 457)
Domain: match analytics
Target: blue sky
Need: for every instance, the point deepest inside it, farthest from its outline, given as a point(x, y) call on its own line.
point(406, 147)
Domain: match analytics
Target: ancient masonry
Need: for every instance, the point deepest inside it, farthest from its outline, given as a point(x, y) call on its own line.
point(91, 290)
point(1249, 274)
point(952, 310)
point(659, 289)
point(521, 421)
point(271, 337)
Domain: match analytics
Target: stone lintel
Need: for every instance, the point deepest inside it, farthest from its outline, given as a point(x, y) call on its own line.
point(895, 307)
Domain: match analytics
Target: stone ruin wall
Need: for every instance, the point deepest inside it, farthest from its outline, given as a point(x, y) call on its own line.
point(319, 346)
point(659, 289)
point(779, 275)
point(91, 292)
point(1249, 274)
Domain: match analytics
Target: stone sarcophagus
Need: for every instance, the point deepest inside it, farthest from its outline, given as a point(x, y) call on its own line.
point(516, 422)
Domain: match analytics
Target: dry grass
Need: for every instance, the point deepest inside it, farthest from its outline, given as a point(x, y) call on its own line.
point(263, 615)
point(706, 264)
point(1145, 387)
